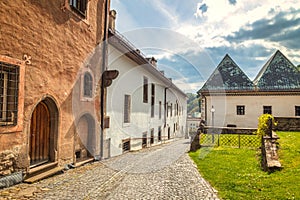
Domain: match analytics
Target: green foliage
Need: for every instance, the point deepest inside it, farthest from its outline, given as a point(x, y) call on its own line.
point(263, 125)
point(192, 103)
point(236, 173)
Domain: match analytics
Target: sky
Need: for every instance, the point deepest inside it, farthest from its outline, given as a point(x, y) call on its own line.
point(190, 38)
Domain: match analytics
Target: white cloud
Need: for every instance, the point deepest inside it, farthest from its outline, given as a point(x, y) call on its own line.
point(187, 87)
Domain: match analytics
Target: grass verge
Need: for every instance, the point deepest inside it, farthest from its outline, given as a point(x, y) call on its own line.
point(236, 173)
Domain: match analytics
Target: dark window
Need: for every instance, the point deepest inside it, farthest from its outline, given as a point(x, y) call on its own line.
point(127, 109)
point(159, 110)
point(79, 6)
point(126, 145)
point(167, 110)
point(171, 110)
point(297, 110)
point(9, 89)
point(152, 99)
point(159, 133)
point(152, 136)
point(144, 140)
point(240, 110)
point(267, 110)
point(88, 85)
point(145, 90)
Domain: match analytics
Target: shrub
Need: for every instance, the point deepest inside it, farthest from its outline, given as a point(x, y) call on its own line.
point(263, 125)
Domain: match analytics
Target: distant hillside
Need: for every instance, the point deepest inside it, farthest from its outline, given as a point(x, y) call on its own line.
point(192, 103)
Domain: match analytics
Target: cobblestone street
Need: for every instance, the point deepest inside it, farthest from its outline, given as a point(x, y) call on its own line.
point(160, 172)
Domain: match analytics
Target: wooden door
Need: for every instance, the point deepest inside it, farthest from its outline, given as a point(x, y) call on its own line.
point(40, 135)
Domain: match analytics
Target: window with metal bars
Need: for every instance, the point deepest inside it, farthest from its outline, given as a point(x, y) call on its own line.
point(9, 88)
point(79, 6)
point(126, 145)
point(240, 110)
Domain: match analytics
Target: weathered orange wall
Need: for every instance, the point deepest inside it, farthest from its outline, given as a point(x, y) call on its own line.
point(59, 42)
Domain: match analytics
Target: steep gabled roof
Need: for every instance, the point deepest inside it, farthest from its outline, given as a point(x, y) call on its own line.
point(278, 74)
point(228, 76)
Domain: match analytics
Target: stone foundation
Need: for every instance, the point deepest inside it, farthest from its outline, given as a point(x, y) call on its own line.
point(7, 163)
point(288, 123)
point(270, 159)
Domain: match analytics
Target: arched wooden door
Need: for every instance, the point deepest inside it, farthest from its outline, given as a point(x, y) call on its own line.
point(40, 135)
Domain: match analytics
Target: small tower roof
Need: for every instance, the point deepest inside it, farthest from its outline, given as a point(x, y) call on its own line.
point(228, 76)
point(278, 74)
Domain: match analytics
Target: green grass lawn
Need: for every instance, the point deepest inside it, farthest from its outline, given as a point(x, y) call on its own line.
point(236, 173)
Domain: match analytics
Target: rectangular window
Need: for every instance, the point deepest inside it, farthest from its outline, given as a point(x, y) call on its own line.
point(9, 89)
point(152, 99)
point(159, 133)
point(297, 110)
point(145, 90)
point(79, 6)
point(171, 110)
point(159, 110)
point(267, 110)
point(152, 136)
point(127, 102)
point(126, 145)
point(240, 110)
point(144, 140)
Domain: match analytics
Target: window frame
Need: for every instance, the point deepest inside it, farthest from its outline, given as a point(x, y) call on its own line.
point(297, 111)
point(79, 6)
point(89, 87)
point(83, 97)
point(145, 89)
point(18, 127)
point(159, 110)
point(240, 110)
point(266, 110)
point(9, 91)
point(127, 109)
point(152, 100)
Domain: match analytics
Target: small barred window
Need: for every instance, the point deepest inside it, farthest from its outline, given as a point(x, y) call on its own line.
point(9, 87)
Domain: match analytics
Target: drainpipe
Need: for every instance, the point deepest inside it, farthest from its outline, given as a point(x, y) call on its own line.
point(165, 104)
point(103, 68)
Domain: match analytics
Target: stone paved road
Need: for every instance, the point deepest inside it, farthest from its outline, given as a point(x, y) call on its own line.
point(160, 172)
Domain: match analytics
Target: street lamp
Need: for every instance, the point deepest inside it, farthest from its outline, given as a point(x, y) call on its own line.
point(212, 110)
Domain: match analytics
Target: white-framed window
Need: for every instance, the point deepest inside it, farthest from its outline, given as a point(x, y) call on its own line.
point(9, 90)
point(152, 99)
point(145, 90)
point(267, 110)
point(127, 108)
point(159, 110)
point(240, 110)
point(87, 85)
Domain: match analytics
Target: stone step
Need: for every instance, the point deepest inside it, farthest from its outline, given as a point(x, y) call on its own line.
point(43, 175)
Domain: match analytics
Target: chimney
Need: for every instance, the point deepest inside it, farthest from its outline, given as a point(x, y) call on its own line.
point(152, 61)
point(112, 20)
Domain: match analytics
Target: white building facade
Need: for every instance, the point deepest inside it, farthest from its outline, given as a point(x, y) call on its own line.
point(145, 107)
point(230, 98)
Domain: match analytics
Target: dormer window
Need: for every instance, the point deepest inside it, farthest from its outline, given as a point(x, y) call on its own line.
point(88, 85)
point(79, 6)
